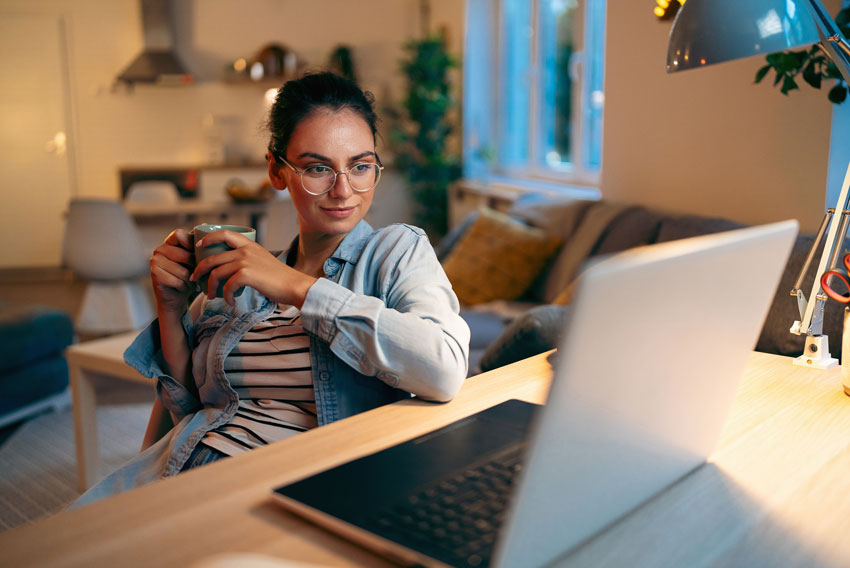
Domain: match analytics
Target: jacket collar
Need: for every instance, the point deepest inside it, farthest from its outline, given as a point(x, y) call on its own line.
point(352, 245)
point(349, 248)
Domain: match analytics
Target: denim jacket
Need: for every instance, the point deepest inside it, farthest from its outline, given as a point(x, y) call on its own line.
point(383, 324)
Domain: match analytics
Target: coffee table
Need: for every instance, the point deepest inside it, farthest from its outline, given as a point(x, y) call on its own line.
point(85, 361)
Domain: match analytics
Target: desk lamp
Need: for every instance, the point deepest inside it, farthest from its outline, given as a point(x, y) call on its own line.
point(712, 31)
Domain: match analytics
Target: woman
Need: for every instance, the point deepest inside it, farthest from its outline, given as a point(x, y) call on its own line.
point(348, 319)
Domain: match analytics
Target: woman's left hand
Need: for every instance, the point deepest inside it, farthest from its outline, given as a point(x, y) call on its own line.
point(249, 264)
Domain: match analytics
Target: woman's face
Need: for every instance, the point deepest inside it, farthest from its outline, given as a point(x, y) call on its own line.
point(337, 139)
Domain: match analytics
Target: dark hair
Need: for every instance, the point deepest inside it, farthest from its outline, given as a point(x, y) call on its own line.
point(300, 97)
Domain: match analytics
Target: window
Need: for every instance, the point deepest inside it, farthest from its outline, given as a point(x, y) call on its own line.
point(533, 90)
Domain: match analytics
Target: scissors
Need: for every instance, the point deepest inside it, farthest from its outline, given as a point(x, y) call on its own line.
point(841, 274)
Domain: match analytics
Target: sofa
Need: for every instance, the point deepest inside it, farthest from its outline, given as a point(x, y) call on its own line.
point(33, 371)
point(563, 235)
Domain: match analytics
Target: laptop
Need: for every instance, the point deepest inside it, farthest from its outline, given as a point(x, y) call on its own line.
point(644, 376)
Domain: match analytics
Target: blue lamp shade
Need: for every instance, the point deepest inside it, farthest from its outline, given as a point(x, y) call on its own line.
point(712, 31)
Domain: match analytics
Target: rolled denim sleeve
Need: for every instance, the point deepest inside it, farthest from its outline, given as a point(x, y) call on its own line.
point(145, 355)
point(411, 337)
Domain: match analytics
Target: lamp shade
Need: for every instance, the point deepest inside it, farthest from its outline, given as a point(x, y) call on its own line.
point(712, 31)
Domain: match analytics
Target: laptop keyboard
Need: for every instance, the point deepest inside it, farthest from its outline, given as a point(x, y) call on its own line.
point(457, 519)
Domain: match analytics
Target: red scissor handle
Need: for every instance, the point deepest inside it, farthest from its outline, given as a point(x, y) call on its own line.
point(841, 275)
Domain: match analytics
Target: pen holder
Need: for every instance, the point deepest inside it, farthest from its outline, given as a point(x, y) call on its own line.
point(845, 352)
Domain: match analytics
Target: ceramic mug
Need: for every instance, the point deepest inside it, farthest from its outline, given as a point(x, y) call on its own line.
point(199, 232)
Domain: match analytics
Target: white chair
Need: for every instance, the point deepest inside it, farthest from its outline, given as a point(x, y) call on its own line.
point(102, 245)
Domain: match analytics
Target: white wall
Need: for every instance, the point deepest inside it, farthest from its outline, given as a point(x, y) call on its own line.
point(152, 126)
point(159, 126)
point(708, 141)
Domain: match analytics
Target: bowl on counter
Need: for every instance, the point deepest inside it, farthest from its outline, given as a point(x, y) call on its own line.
point(240, 192)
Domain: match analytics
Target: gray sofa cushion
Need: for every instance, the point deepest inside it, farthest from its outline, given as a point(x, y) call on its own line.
point(32, 362)
point(580, 225)
point(534, 332)
point(484, 327)
point(684, 226)
point(37, 380)
point(537, 330)
point(636, 226)
point(31, 333)
point(775, 337)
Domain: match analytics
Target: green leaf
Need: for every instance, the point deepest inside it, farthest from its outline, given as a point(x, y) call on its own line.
point(788, 84)
point(838, 94)
point(820, 62)
point(812, 63)
point(843, 20)
point(811, 75)
point(832, 71)
point(790, 61)
point(798, 57)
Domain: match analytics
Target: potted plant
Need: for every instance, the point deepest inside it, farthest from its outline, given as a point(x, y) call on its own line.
point(812, 64)
point(422, 154)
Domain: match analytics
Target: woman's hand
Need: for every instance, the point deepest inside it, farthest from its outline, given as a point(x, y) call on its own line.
point(249, 264)
point(171, 266)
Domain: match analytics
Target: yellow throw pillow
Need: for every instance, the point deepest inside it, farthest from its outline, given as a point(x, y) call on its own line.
point(497, 258)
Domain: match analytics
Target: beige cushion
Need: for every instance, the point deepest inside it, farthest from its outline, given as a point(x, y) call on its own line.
point(497, 258)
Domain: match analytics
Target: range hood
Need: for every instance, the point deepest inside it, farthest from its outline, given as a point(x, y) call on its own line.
point(158, 63)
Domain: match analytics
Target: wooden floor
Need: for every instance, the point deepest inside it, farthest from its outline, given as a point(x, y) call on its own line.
point(52, 287)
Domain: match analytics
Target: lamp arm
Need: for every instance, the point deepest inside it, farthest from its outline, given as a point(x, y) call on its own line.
point(839, 51)
point(824, 21)
point(796, 290)
point(832, 40)
point(841, 44)
point(811, 325)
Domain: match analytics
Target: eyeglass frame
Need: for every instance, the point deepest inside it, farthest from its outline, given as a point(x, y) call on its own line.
point(336, 173)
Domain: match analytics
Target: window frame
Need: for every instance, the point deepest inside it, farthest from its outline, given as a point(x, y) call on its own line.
point(485, 83)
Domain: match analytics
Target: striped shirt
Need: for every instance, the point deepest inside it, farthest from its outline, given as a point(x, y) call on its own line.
point(271, 372)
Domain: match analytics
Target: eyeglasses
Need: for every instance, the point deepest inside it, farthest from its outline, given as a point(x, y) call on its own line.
point(319, 179)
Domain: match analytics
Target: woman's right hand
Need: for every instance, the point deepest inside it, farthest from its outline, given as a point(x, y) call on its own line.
point(171, 264)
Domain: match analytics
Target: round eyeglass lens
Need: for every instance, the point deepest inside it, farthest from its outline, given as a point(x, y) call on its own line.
point(320, 179)
point(317, 179)
point(364, 176)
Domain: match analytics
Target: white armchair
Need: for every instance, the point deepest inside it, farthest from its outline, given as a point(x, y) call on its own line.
point(102, 245)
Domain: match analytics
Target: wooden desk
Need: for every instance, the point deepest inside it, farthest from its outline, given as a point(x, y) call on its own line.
point(777, 492)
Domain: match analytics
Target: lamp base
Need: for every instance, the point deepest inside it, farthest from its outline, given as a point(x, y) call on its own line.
point(816, 353)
